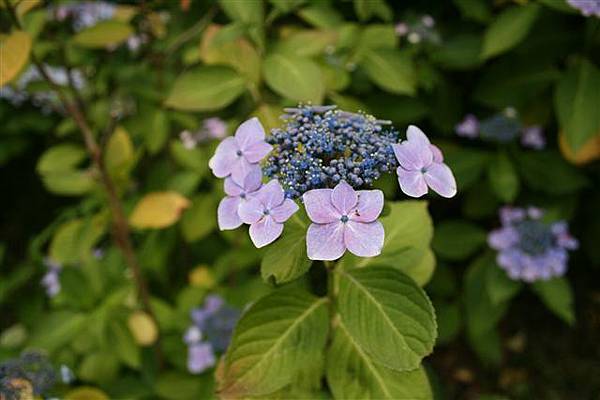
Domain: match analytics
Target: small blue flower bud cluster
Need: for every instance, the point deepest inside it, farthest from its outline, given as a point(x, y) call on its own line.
point(319, 146)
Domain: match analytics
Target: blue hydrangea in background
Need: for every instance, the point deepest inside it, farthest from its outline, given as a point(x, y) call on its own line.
point(31, 373)
point(529, 248)
point(210, 333)
point(320, 146)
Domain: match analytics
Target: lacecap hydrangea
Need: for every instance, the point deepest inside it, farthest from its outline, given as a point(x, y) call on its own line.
point(529, 248)
point(327, 159)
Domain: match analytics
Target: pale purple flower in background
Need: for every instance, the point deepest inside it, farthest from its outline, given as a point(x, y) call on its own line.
point(200, 358)
point(343, 219)
point(227, 212)
point(238, 155)
point(468, 127)
point(266, 211)
point(533, 137)
point(188, 139)
point(422, 165)
point(215, 128)
point(401, 28)
point(530, 249)
point(586, 7)
point(428, 21)
point(51, 279)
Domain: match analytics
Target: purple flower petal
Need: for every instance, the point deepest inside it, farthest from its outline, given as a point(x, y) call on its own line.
point(271, 194)
point(200, 358)
point(344, 198)
point(251, 210)
point(227, 213)
point(257, 151)
point(503, 238)
point(414, 134)
point(364, 239)
point(249, 132)
point(251, 183)
point(265, 231)
point(325, 241)
point(319, 207)
point(225, 156)
point(241, 168)
point(412, 156)
point(412, 183)
point(370, 205)
point(283, 212)
point(231, 188)
point(438, 157)
point(439, 177)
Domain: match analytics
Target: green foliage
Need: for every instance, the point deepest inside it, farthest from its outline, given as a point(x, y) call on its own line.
point(388, 315)
point(508, 29)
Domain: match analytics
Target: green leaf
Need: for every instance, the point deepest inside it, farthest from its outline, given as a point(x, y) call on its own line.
point(307, 43)
point(194, 159)
point(456, 240)
point(286, 259)
point(100, 367)
point(321, 15)
point(173, 385)
point(293, 77)
point(499, 286)
point(503, 178)
point(158, 133)
point(55, 330)
point(124, 345)
point(352, 374)
point(508, 29)
point(61, 158)
point(449, 320)
point(548, 172)
point(388, 315)
point(104, 34)
point(14, 54)
point(69, 183)
point(365, 9)
point(195, 224)
point(74, 240)
point(467, 164)
point(247, 12)
point(119, 154)
point(577, 101)
point(391, 70)
point(459, 52)
point(557, 295)
point(273, 340)
point(477, 10)
point(205, 89)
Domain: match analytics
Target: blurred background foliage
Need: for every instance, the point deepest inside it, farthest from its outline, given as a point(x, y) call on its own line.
point(150, 78)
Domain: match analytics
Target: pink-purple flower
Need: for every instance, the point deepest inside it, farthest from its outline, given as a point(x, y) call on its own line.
point(227, 213)
point(237, 156)
point(533, 137)
point(343, 219)
point(266, 211)
point(422, 166)
point(468, 127)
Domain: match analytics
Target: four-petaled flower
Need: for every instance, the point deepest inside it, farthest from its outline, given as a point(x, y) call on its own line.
point(266, 212)
point(343, 219)
point(239, 155)
point(422, 165)
point(227, 213)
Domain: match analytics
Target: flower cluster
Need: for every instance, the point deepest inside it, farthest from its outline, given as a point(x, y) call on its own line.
point(25, 377)
point(84, 14)
point(529, 248)
point(212, 128)
point(503, 127)
point(587, 8)
point(322, 146)
point(210, 333)
point(51, 279)
point(418, 30)
point(322, 155)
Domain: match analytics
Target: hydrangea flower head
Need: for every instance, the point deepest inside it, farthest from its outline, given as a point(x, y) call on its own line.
point(530, 249)
point(210, 333)
point(266, 211)
point(31, 373)
point(343, 219)
point(228, 210)
point(318, 147)
point(237, 156)
point(587, 8)
point(422, 166)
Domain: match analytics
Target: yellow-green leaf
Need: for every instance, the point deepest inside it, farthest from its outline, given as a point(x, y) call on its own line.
point(86, 393)
point(295, 78)
point(104, 34)
point(119, 156)
point(158, 210)
point(14, 53)
point(143, 328)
